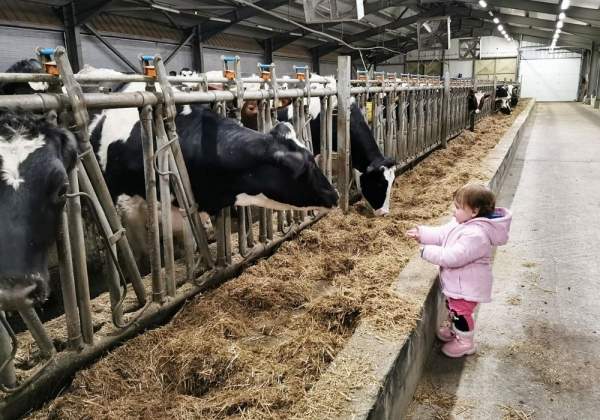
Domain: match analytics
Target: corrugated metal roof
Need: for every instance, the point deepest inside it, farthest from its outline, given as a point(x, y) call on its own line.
point(294, 51)
point(34, 14)
point(121, 25)
point(233, 42)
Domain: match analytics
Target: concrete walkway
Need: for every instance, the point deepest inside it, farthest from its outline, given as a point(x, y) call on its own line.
point(539, 340)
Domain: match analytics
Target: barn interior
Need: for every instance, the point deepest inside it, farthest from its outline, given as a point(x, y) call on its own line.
point(412, 68)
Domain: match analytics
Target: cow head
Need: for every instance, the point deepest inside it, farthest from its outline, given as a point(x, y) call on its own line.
point(24, 66)
point(35, 157)
point(476, 100)
point(503, 99)
point(291, 180)
point(376, 185)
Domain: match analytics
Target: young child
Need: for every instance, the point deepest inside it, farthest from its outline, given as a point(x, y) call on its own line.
point(463, 250)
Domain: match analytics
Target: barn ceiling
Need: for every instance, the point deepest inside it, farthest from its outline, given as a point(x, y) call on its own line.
point(387, 23)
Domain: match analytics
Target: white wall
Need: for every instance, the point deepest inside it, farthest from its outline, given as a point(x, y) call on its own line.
point(550, 79)
point(493, 47)
point(464, 67)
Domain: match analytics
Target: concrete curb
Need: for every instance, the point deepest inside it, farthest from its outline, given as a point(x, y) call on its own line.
point(395, 365)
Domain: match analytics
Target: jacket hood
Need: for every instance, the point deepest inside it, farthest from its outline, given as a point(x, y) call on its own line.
point(496, 227)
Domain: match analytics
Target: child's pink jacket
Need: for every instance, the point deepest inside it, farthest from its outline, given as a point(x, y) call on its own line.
point(464, 251)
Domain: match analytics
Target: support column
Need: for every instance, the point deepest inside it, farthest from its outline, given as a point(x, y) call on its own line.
point(316, 68)
point(343, 130)
point(593, 73)
point(268, 50)
point(197, 50)
point(72, 36)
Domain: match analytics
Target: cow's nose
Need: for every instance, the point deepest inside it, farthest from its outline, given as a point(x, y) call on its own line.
point(19, 291)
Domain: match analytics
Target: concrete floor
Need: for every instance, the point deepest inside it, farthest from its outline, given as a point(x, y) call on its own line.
point(539, 340)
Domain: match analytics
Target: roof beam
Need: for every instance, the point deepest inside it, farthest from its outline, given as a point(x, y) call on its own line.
point(398, 23)
point(574, 12)
point(211, 28)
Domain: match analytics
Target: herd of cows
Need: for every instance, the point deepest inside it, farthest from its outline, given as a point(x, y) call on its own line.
point(229, 164)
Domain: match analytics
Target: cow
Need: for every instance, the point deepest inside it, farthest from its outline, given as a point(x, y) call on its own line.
point(503, 99)
point(30, 65)
point(35, 157)
point(476, 100)
point(514, 95)
point(228, 164)
point(375, 173)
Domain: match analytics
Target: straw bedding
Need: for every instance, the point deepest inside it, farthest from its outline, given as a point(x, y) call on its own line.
point(255, 346)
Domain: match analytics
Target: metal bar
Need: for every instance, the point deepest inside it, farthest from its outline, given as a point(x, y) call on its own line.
point(242, 244)
point(152, 227)
point(113, 279)
point(67, 285)
point(110, 47)
point(35, 327)
point(445, 111)
point(221, 262)
point(79, 259)
point(180, 46)
point(8, 377)
point(165, 200)
point(343, 131)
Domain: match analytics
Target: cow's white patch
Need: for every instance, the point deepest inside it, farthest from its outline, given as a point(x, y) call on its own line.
point(291, 134)
point(357, 175)
point(262, 200)
point(390, 175)
point(15, 151)
point(187, 110)
point(38, 86)
point(117, 127)
point(477, 111)
point(314, 107)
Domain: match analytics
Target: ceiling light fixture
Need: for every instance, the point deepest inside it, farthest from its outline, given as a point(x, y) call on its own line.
point(266, 28)
point(562, 16)
point(496, 20)
point(500, 28)
point(491, 13)
point(483, 3)
point(559, 24)
point(564, 5)
point(218, 19)
point(427, 27)
point(165, 8)
point(555, 36)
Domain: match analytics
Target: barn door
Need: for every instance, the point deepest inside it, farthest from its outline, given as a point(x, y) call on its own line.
point(550, 76)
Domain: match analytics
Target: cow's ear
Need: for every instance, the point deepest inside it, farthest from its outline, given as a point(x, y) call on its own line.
point(68, 148)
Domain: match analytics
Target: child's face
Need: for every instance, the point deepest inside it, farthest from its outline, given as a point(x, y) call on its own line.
point(463, 213)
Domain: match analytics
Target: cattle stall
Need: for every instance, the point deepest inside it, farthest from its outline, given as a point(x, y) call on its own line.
point(410, 116)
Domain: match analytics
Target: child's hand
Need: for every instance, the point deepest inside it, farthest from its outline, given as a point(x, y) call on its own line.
point(414, 234)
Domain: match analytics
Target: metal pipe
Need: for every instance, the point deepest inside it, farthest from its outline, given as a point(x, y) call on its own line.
point(113, 281)
point(152, 227)
point(165, 199)
point(35, 327)
point(8, 377)
point(79, 258)
point(67, 285)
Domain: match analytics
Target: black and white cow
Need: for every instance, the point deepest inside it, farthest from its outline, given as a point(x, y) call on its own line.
point(375, 172)
point(30, 65)
point(504, 99)
point(228, 164)
point(476, 100)
point(35, 157)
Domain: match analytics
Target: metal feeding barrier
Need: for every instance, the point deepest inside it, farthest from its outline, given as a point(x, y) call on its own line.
point(408, 115)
